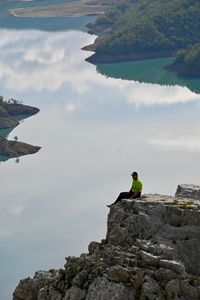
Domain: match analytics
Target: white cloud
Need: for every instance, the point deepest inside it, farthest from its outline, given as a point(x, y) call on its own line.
point(191, 144)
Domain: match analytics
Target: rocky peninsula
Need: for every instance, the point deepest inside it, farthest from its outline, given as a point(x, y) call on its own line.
point(11, 149)
point(151, 252)
point(11, 112)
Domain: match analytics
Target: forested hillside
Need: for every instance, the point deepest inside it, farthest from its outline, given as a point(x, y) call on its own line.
point(146, 28)
point(187, 61)
point(190, 56)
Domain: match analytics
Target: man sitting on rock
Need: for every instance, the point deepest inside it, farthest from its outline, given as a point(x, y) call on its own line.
point(135, 191)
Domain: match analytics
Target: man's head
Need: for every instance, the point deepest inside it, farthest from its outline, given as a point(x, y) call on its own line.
point(134, 175)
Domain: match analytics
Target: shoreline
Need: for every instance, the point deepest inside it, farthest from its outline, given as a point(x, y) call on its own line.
point(71, 9)
point(106, 59)
point(12, 12)
point(176, 67)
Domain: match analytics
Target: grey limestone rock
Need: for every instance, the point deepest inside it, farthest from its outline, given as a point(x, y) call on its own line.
point(103, 289)
point(165, 275)
point(188, 291)
point(29, 288)
point(172, 265)
point(150, 259)
point(74, 293)
point(190, 191)
point(173, 291)
point(151, 290)
point(151, 252)
point(119, 274)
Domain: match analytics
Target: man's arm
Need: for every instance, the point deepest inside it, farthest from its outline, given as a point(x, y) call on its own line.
point(136, 193)
point(131, 189)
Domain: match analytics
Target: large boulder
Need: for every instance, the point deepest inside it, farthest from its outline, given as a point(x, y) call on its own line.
point(190, 191)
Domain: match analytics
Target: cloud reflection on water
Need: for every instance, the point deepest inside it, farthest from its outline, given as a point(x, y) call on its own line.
point(183, 144)
point(39, 61)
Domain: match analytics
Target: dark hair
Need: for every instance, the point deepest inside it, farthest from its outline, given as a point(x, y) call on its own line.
point(134, 174)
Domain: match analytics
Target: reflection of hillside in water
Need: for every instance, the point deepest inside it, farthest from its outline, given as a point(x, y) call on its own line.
point(14, 148)
point(53, 62)
point(3, 134)
point(148, 71)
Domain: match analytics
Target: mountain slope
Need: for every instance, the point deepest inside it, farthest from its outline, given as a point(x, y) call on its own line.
point(144, 29)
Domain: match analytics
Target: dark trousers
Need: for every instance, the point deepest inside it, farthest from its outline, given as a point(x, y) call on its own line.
point(126, 195)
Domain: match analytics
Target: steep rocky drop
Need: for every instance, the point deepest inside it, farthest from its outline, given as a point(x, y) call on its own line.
point(151, 252)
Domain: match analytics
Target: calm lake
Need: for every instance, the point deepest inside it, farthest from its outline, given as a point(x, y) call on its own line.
point(95, 126)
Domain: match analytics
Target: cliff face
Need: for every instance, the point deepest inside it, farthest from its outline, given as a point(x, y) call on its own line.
point(151, 251)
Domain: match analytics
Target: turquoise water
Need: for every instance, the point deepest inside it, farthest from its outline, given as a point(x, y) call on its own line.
point(148, 71)
point(94, 130)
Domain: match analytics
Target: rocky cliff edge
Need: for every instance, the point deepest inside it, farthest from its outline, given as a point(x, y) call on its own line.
point(151, 252)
